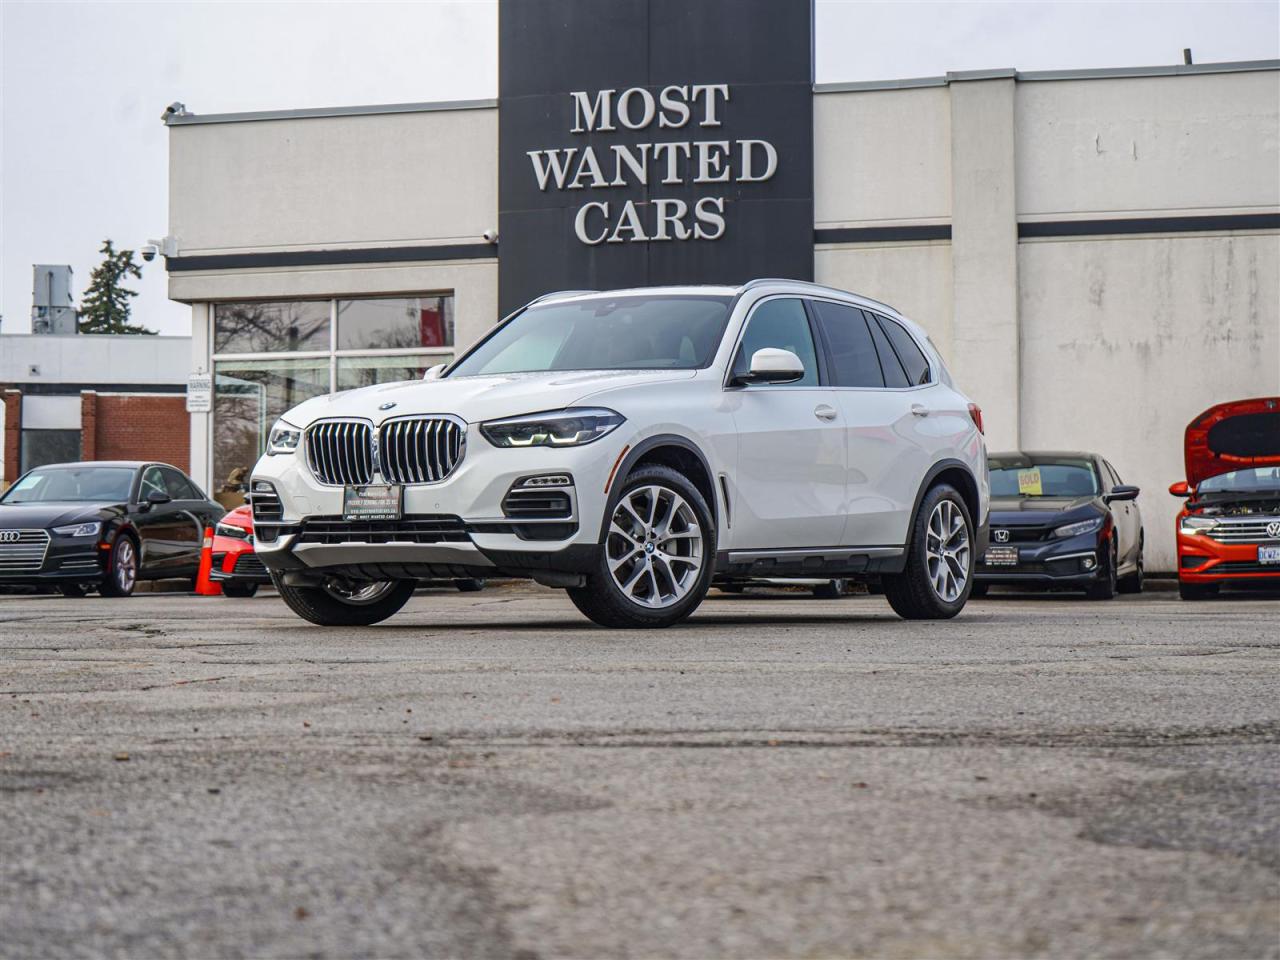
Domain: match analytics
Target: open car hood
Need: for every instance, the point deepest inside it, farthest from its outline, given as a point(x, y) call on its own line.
point(1233, 436)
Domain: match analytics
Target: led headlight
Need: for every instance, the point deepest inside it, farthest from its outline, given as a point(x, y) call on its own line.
point(90, 529)
point(229, 530)
point(556, 428)
point(1193, 525)
point(284, 438)
point(1075, 529)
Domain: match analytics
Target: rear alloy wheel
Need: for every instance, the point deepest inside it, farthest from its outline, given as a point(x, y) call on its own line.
point(1132, 582)
point(122, 568)
point(343, 603)
point(1104, 588)
point(233, 589)
point(1197, 591)
point(831, 590)
point(657, 559)
point(938, 575)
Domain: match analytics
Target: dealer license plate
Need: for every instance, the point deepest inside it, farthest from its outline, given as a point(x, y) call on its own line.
point(376, 501)
point(1001, 557)
point(1269, 554)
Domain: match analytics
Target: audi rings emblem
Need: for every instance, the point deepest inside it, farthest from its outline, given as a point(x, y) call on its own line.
point(1273, 529)
point(10, 536)
point(1001, 536)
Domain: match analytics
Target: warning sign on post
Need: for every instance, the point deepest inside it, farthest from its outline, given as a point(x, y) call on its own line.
point(199, 393)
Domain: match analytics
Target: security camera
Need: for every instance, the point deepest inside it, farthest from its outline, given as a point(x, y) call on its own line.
point(149, 252)
point(490, 236)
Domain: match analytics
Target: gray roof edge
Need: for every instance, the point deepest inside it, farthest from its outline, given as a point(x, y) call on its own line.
point(1095, 73)
point(190, 119)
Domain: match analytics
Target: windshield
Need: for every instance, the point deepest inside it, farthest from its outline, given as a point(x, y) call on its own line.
point(76, 484)
point(604, 333)
point(1037, 477)
point(1256, 480)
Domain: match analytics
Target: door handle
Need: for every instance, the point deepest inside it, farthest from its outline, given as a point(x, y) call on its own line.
point(824, 412)
point(919, 410)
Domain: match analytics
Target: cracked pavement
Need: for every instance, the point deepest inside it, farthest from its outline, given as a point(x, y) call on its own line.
point(489, 775)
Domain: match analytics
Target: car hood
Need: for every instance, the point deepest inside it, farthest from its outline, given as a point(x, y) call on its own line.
point(29, 516)
point(1233, 436)
point(1030, 509)
point(241, 516)
point(476, 399)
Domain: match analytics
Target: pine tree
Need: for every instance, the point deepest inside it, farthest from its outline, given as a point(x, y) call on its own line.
point(105, 306)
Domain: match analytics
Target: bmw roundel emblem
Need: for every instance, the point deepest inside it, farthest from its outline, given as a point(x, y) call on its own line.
point(1273, 529)
point(1001, 536)
point(388, 405)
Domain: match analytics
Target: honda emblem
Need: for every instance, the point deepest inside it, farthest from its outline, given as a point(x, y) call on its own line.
point(1001, 536)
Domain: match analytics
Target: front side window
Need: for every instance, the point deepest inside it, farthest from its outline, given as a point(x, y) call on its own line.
point(853, 353)
point(780, 323)
point(604, 333)
point(152, 482)
point(72, 485)
point(1043, 477)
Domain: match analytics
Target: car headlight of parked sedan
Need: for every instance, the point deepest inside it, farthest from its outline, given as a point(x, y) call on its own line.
point(230, 530)
point(284, 438)
point(1077, 528)
point(1194, 525)
point(88, 529)
point(556, 428)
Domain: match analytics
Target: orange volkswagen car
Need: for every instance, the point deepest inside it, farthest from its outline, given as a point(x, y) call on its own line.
point(1229, 530)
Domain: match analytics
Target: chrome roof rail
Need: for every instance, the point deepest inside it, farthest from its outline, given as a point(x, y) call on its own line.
point(558, 295)
point(765, 281)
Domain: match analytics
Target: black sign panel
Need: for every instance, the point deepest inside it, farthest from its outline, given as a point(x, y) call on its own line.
point(653, 142)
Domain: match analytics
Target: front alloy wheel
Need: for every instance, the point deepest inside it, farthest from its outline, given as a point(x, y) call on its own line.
point(122, 568)
point(336, 602)
point(655, 563)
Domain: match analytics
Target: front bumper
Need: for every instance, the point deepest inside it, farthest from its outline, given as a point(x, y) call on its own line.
point(235, 561)
point(1071, 561)
point(1202, 559)
point(64, 560)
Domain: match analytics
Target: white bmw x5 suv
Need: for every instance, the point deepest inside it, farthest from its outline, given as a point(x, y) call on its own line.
point(633, 446)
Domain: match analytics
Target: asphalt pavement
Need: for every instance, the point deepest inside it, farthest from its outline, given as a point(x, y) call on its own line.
point(489, 775)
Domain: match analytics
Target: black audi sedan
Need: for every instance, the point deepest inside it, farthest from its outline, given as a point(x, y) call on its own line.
point(1061, 520)
point(106, 524)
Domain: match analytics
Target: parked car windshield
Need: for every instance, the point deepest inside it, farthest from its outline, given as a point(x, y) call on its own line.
point(1258, 479)
point(1043, 477)
point(75, 484)
point(604, 333)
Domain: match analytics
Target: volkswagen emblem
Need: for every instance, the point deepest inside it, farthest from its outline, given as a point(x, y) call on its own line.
point(388, 405)
point(10, 536)
point(1273, 530)
point(1001, 536)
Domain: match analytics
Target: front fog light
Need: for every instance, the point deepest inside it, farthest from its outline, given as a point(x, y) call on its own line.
point(1088, 563)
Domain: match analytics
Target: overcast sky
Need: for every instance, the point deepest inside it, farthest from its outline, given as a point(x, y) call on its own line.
point(82, 86)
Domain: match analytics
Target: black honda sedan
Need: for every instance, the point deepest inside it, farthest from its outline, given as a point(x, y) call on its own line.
point(1061, 520)
point(108, 523)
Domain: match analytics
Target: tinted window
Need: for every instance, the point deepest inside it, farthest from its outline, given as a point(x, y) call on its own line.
point(894, 374)
point(1042, 477)
point(853, 353)
point(152, 482)
point(604, 333)
point(784, 325)
point(913, 361)
point(176, 485)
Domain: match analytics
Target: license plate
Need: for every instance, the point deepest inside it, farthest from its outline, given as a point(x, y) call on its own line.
point(1001, 557)
point(379, 501)
point(1269, 554)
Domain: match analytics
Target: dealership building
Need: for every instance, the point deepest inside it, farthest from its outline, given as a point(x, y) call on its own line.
point(1095, 252)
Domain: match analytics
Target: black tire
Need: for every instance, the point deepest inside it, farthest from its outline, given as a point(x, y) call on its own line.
point(731, 587)
point(911, 593)
point(469, 584)
point(979, 590)
point(326, 609)
point(1197, 591)
point(1104, 588)
point(602, 599)
point(242, 590)
point(1133, 582)
point(831, 590)
point(122, 568)
point(73, 589)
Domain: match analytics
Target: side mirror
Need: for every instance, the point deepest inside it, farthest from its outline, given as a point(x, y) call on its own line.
point(1180, 489)
point(155, 498)
point(1122, 492)
point(772, 365)
point(433, 373)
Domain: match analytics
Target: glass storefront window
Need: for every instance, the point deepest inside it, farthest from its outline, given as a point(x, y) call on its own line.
point(282, 326)
point(366, 371)
point(395, 323)
point(41, 446)
point(248, 396)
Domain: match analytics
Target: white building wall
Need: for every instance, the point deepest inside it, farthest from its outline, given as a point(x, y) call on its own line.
point(92, 358)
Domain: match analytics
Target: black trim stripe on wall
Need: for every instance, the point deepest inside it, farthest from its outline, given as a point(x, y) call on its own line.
point(927, 231)
point(1083, 228)
point(310, 258)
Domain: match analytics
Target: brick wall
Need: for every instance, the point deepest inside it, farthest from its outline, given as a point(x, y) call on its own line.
point(136, 427)
point(12, 435)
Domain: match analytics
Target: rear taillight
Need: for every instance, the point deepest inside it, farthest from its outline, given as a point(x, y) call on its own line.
point(975, 414)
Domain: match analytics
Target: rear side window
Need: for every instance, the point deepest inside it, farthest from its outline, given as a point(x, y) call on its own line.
point(177, 485)
point(894, 374)
point(854, 362)
point(913, 361)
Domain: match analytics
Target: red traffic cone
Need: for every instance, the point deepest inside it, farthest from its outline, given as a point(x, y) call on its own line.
point(204, 586)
